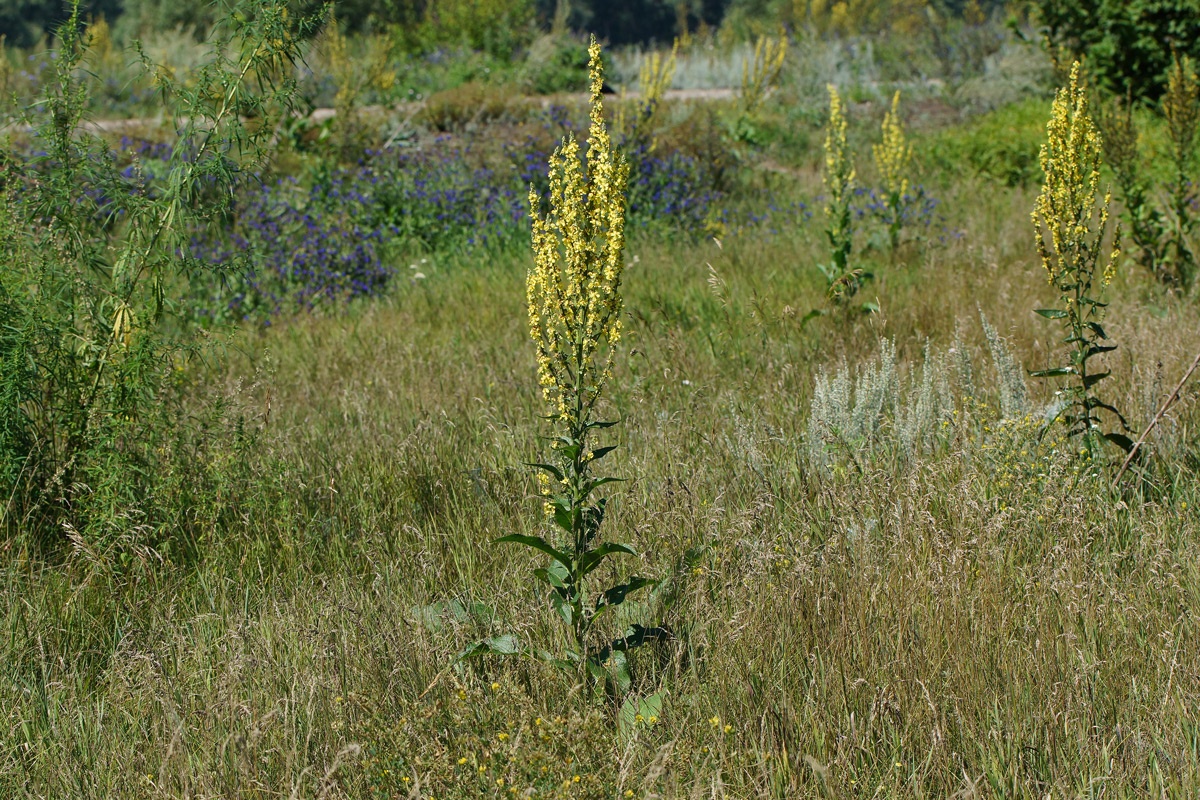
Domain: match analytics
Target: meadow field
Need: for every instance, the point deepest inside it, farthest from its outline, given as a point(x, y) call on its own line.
point(270, 399)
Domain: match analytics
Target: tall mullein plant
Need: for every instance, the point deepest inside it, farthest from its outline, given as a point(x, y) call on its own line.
point(574, 301)
point(893, 157)
point(839, 177)
point(1070, 220)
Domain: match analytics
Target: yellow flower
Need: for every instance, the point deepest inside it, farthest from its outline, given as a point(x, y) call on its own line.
point(893, 154)
point(760, 75)
point(1067, 241)
point(839, 171)
point(573, 289)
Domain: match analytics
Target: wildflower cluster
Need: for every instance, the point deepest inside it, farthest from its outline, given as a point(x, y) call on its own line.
point(1070, 222)
point(653, 80)
point(893, 157)
point(483, 740)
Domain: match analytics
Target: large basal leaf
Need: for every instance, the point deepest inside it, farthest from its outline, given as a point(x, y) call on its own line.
point(505, 645)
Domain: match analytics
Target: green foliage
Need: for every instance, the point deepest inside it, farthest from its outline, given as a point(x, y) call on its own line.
point(1126, 44)
point(92, 329)
point(470, 103)
point(556, 63)
point(1002, 144)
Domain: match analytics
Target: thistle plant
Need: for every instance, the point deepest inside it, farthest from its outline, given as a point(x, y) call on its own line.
point(893, 157)
point(574, 308)
point(1181, 107)
point(95, 261)
point(1070, 220)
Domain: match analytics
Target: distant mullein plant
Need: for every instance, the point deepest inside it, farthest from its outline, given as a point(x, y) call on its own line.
point(761, 74)
point(893, 157)
point(1070, 221)
point(653, 81)
point(1181, 107)
point(574, 304)
point(839, 177)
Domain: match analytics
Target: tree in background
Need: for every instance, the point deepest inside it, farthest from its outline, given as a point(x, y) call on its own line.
point(1126, 44)
point(22, 22)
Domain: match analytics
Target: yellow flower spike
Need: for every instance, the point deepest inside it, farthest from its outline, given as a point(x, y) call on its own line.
point(893, 154)
point(893, 157)
point(761, 74)
point(839, 171)
point(654, 78)
point(573, 289)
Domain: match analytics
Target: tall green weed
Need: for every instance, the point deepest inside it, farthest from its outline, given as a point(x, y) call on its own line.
point(98, 261)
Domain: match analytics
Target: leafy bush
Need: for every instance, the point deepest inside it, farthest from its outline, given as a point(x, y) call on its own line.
point(97, 255)
point(1126, 44)
point(556, 64)
point(1002, 144)
point(451, 109)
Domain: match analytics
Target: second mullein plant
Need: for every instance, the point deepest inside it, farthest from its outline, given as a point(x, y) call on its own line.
point(574, 306)
point(893, 157)
point(842, 280)
point(1070, 220)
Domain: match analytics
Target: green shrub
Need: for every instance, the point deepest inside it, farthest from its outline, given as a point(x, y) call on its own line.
point(95, 258)
point(1126, 44)
point(557, 64)
point(1002, 144)
point(452, 109)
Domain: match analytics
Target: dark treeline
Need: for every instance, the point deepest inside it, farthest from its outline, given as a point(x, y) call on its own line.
point(23, 22)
